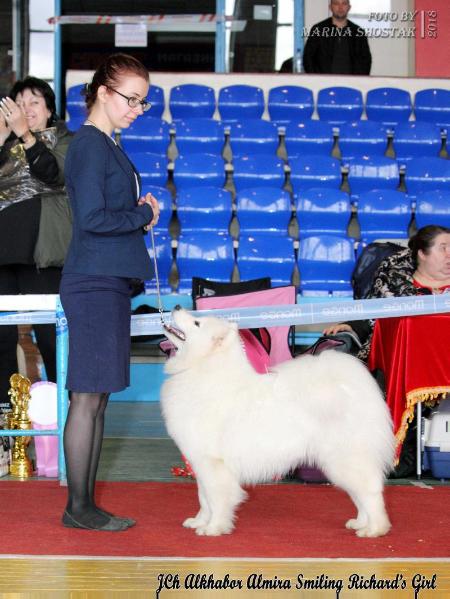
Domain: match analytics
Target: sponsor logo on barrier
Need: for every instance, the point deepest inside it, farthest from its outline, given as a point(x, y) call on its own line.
point(411, 306)
point(281, 314)
point(61, 323)
point(344, 309)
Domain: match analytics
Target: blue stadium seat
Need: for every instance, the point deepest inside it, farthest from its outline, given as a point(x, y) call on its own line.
point(164, 258)
point(196, 170)
point(362, 138)
point(388, 105)
point(253, 136)
point(156, 98)
point(366, 174)
point(416, 139)
point(427, 174)
point(433, 106)
point(207, 254)
point(290, 103)
point(261, 255)
point(263, 209)
point(339, 104)
point(433, 208)
point(151, 167)
point(165, 206)
point(383, 214)
point(204, 208)
point(75, 102)
point(237, 102)
point(259, 170)
point(323, 210)
point(314, 170)
point(308, 137)
point(146, 135)
point(193, 136)
point(191, 100)
point(326, 264)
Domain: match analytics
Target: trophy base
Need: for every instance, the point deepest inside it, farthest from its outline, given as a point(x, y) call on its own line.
point(21, 469)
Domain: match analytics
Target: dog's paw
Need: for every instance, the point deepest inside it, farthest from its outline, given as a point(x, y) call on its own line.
point(214, 530)
point(374, 531)
point(194, 522)
point(353, 524)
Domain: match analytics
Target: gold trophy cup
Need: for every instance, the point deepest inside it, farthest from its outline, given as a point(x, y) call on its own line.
point(20, 396)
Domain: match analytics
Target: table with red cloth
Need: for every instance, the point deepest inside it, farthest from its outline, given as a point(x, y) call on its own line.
point(414, 354)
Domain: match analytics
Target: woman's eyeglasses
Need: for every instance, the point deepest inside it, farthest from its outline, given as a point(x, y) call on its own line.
point(132, 101)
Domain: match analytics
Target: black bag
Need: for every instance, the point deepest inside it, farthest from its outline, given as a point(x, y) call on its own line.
point(345, 341)
point(367, 265)
point(207, 288)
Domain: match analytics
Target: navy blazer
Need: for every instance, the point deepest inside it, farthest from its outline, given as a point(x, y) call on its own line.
point(107, 234)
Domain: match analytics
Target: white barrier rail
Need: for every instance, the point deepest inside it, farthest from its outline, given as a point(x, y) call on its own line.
point(281, 315)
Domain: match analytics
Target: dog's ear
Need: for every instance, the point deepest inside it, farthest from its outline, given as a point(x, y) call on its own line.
point(225, 336)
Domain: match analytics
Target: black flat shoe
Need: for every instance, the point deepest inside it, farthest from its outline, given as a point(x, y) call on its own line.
point(113, 524)
point(128, 521)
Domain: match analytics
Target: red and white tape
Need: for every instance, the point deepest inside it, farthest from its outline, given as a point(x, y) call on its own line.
point(120, 19)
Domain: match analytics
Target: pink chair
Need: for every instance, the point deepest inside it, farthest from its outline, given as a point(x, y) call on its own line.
point(280, 350)
point(42, 412)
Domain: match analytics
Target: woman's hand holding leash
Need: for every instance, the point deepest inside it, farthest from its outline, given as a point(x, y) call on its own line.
point(153, 202)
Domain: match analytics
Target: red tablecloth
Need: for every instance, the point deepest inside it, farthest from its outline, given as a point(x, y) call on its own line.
point(414, 354)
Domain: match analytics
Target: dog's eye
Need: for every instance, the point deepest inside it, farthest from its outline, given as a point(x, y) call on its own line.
point(197, 323)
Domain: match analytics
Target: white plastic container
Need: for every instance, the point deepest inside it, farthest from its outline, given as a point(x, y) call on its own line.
point(436, 438)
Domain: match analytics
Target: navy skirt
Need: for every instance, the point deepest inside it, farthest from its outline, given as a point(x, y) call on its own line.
point(98, 312)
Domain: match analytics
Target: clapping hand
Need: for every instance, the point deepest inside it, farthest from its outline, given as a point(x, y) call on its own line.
point(5, 131)
point(153, 202)
point(13, 116)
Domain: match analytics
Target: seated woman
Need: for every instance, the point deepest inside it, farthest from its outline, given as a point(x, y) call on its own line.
point(35, 216)
point(421, 269)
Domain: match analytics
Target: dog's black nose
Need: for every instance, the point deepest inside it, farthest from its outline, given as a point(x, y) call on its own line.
point(177, 307)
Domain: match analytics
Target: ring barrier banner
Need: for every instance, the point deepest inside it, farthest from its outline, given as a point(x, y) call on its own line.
point(298, 314)
point(47, 309)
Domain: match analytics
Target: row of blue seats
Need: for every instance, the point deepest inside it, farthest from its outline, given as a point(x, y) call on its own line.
point(322, 264)
point(211, 254)
point(254, 136)
point(290, 102)
point(380, 213)
point(303, 172)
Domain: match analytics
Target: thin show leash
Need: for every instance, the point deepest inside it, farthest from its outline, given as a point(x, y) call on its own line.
point(185, 470)
point(158, 288)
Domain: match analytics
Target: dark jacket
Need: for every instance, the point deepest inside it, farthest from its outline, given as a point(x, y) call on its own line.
point(34, 201)
point(318, 51)
point(107, 221)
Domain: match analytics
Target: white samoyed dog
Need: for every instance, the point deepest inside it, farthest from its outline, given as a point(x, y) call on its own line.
point(236, 426)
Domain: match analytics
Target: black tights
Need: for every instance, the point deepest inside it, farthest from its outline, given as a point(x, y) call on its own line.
point(83, 436)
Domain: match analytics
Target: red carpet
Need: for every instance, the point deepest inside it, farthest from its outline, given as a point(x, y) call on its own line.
point(277, 521)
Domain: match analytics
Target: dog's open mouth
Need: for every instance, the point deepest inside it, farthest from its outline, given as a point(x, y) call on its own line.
point(175, 332)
